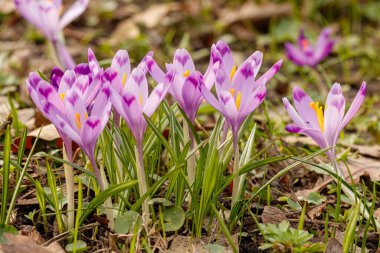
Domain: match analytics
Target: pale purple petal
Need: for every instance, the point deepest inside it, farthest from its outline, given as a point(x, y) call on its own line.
point(229, 109)
point(292, 113)
point(121, 63)
point(46, 91)
point(155, 98)
point(63, 55)
point(333, 116)
point(225, 53)
point(295, 54)
point(253, 101)
point(67, 82)
point(183, 62)
point(73, 12)
point(76, 109)
point(89, 134)
point(269, 74)
point(138, 85)
point(155, 70)
point(355, 106)
point(56, 75)
point(191, 94)
point(102, 99)
point(93, 62)
point(302, 102)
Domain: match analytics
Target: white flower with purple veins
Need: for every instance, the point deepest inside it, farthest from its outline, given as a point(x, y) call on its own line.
point(119, 73)
point(76, 120)
point(186, 80)
point(46, 16)
point(238, 93)
point(134, 101)
point(323, 126)
point(306, 54)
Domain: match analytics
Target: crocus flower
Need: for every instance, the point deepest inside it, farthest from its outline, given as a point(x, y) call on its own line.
point(120, 72)
point(306, 54)
point(186, 80)
point(135, 101)
point(80, 124)
point(46, 16)
point(238, 93)
point(323, 126)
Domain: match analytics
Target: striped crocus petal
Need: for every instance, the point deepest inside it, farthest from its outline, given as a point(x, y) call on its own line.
point(93, 62)
point(214, 58)
point(355, 106)
point(66, 83)
point(138, 85)
point(230, 110)
point(76, 110)
point(333, 116)
point(191, 95)
point(122, 65)
point(46, 91)
point(253, 101)
point(155, 71)
point(302, 102)
point(73, 12)
point(89, 134)
point(133, 112)
point(226, 56)
point(155, 98)
point(56, 75)
point(183, 62)
point(269, 73)
point(102, 102)
point(293, 113)
point(295, 54)
point(111, 75)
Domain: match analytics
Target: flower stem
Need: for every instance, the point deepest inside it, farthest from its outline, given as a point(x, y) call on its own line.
point(97, 172)
point(322, 87)
point(236, 180)
point(191, 163)
point(142, 180)
point(69, 177)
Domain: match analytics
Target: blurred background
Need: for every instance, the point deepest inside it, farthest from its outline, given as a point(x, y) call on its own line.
point(164, 26)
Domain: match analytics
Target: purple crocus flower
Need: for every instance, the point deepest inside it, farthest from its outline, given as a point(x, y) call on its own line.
point(46, 16)
point(80, 124)
point(135, 101)
point(238, 93)
point(120, 72)
point(306, 54)
point(186, 80)
point(323, 126)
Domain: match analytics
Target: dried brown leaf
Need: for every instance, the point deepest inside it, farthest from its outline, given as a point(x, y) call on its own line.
point(272, 215)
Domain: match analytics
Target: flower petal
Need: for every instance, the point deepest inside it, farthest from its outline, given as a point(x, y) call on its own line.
point(295, 54)
point(155, 98)
point(73, 12)
point(138, 85)
point(355, 106)
point(183, 62)
point(121, 63)
point(302, 102)
point(269, 74)
point(225, 53)
point(90, 132)
point(67, 81)
point(293, 113)
point(93, 62)
point(155, 70)
point(76, 109)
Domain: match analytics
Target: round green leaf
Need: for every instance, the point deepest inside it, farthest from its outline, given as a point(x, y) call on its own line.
point(174, 218)
point(126, 222)
point(81, 246)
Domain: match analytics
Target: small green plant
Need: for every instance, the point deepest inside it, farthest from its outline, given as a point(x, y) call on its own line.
point(283, 238)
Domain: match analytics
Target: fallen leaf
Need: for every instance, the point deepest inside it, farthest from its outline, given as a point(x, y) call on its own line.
point(272, 215)
point(361, 167)
point(153, 16)
point(316, 211)
point(48, 133)
point(254, 12)
point(24, 244)
point(333, 245)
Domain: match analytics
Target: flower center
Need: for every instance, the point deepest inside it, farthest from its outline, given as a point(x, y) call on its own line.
point(233, 71)
point(238, 98)
point(62, 96)
point(78, 120)
point(124, 79)
point(319, 112)
point(186, 73)
point(305, 44)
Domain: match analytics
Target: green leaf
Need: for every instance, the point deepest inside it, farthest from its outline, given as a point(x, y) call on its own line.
point(98, 200)
point(214, 248)
point(125, 223)
point(315, 198)
point(174, 218)
point(293, 204)
point(162, 201)
point(80, 247)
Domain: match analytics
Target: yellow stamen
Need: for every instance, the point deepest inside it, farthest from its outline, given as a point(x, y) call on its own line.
point(186, 73)
point(238, 100)
point(319, 112)
point(124, 79)
point(77, 120)
point(305, 43)
point(140, 100)
point(233, 71)
point(86, 115)
point(62, 96)
point(232, 91)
